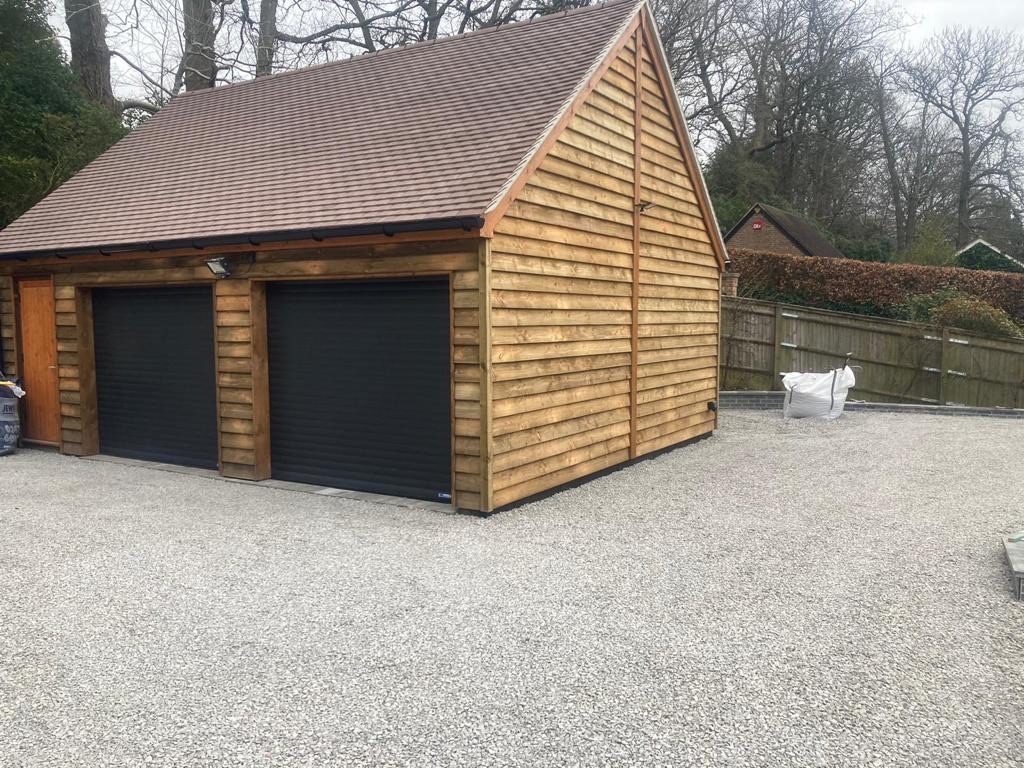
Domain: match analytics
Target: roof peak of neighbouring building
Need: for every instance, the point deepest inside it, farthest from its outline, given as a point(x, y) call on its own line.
point(798, 228)
point(425, 134)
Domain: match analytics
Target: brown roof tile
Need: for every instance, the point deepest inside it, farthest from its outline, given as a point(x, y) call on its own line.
point(422, 133)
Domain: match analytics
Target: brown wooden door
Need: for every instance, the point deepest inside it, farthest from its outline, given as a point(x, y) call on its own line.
point(38, 327)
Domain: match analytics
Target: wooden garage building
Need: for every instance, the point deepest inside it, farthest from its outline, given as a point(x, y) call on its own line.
point(476, 269)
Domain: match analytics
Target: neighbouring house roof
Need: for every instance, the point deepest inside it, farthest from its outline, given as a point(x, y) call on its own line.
point(985, 243)
point(421, 136)
point(979, 241)
point(801, 231)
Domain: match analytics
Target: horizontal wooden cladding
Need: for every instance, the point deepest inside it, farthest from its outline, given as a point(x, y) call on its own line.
point(557, 275)
point(678, 308)
point(8, 325)
point(570, 471)
point(555, 365)
point(561, 295)
point(682, 430)
point(73, 438)
point(239, 406)
point(532, 317)
point(548, 389)
point(590, 222)
point(518, 352)
point(467, 388)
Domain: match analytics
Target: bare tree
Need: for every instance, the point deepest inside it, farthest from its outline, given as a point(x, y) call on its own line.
point(704, 44)
point(976, 81)
point(918, 150)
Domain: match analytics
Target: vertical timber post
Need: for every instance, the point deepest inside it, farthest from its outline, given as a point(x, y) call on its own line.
point(776, 348)
point(634, 332)
point(943, 365)
point(88, 408)
point(260, 380)
point(486, 378)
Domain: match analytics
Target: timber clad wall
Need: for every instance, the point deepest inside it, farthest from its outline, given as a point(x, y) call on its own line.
point(566, 281)
point(76, 372)
point(8, 324)
point(242, 396)
point(561, 287)
point(466, 376)
point(678, 286)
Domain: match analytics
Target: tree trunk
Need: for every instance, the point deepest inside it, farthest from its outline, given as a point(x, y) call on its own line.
point(267, 38)
point(90, 57)
point(892, 168)
point(964, 185)
point(200, 57)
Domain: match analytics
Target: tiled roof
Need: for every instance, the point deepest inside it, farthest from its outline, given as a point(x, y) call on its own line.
point(423, 133)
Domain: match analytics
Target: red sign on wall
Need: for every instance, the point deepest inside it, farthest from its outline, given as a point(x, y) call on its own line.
point(758, 223)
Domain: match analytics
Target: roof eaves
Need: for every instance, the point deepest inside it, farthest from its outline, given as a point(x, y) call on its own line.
point(465, 223)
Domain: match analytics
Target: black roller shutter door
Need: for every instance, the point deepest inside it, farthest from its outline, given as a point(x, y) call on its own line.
point(155, 382)
point(360, 385)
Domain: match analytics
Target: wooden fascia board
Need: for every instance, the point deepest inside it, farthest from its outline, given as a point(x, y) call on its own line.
point(16, 266)
point(496, 210)
point(668, 92)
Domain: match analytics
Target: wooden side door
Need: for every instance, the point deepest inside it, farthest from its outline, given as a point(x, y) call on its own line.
point(38, 327)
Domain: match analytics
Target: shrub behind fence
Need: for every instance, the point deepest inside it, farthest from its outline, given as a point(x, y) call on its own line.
point(868, 286)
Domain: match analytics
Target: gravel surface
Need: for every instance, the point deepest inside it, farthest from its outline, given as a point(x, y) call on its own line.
point(796, 594)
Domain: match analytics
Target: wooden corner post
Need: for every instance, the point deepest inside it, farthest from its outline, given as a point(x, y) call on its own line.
point(486, 379)
point(88, 409)
point(260, 381)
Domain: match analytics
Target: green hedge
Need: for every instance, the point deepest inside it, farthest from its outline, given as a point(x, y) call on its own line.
point(867, 287)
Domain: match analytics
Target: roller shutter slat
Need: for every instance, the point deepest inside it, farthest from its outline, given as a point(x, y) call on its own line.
point(360, 385)
point(155, 382)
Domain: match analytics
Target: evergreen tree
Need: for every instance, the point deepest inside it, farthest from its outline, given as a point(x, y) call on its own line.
point(48, 129)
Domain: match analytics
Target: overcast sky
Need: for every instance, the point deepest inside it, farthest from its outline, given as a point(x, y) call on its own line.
point(936, 14)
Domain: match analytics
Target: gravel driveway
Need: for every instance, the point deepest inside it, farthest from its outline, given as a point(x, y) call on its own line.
point(781, 594)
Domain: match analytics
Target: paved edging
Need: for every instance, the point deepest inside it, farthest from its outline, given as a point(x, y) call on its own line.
point(766, 401)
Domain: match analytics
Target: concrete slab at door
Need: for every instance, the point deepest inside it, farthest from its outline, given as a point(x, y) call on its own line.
point(38, 327)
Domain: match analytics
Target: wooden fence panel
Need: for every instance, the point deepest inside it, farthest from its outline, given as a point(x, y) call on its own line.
point(900, 362)
point(748, 340)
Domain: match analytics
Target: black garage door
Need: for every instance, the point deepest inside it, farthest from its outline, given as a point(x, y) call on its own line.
point(360, 385)
point(154, 374)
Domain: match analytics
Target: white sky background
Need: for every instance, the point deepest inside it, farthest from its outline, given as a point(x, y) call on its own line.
point(933, 15)
point(924, 17)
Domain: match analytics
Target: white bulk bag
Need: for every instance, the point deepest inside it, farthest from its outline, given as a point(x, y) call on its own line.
point(820, 395)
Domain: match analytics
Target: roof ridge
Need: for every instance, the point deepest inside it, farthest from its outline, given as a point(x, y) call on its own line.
point(410, 46)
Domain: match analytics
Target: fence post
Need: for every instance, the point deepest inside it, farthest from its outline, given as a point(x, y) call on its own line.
point(943, 365)
point(776, 347)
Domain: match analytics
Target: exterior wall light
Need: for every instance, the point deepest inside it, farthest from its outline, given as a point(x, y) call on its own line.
point(219, 266)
